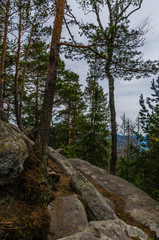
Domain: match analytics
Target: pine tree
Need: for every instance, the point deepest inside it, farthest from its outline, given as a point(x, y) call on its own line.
point(115, 45)
point(143, 165)
point(68, 105)
point(95, 140)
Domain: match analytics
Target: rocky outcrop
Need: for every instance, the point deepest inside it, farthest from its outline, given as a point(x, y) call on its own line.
point(137, 203)
point(108, 230)
point(13, 153)
point(98, 208)
point(67, 217)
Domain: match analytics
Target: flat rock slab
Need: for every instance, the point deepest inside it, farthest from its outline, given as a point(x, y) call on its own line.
point(138, 204)
point(98, 208)
point(108, 230)
point(67, 217)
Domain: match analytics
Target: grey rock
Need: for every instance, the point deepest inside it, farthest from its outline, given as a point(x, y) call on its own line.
point(82, 236)
point(58, 158)
point(132, 231)
point(3, 115)
point(108, 230)
point(13, 153)
point(137, 203)
point(97, 206)
point(67, 217)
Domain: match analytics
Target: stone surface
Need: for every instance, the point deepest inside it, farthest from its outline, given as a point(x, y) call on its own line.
point(67, 217)
point(108, 230)
point(58, 158)
point(3, 115)
point(13, 153)
point(82, 236)
point(97, 206)
point(137, 203)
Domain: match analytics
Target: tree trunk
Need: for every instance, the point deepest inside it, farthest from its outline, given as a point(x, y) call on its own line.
point(24, 73)
point(41, 142)
point(113, 160)
point(17, 67)
point(4, 53)
point(37, 101)
point(74, 125)
point(68, 126)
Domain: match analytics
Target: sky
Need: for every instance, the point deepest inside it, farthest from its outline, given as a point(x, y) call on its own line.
point(127, 92)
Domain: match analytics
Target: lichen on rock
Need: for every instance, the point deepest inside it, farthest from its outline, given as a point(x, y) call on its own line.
point(13, 153)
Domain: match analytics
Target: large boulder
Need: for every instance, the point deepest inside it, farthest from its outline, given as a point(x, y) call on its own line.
point(67, 217)
point(13, 153)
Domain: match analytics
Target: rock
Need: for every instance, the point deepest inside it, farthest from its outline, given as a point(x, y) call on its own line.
point(13, 153)
point(133, 231)
point(108, 230)
point(98, 208)
point(67, 217)
point(58, 158)
point(138, 204)
point(3, 115)
point(83, 236)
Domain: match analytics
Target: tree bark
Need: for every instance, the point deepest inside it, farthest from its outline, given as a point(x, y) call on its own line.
point(24, 74)
point(74, 125)
point(17, 67)
point(4, 47)
point(37, 101)
point(113, 160)
point(41, 142)
point(68, 126)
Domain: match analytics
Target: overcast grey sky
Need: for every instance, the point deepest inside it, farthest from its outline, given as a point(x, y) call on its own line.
point(127, 93)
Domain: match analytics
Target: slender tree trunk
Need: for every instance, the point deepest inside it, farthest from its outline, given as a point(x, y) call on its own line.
point(17, 67)
point(4, 47)
point(24, 74)
point(37, 101)
point(68, 126)
point(41, 142)
point(74, 125)
point(113, 160)
point(128, 143)
point(8, 108)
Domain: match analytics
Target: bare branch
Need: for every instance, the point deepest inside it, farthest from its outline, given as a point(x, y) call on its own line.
point(97, 15)
point(89, 47)
point(110, 12)
point(122, 12)
point(136, 9)
point(69, 30)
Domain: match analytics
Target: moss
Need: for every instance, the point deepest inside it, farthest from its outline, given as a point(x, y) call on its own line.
point(4, 147)
point(23, 209)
